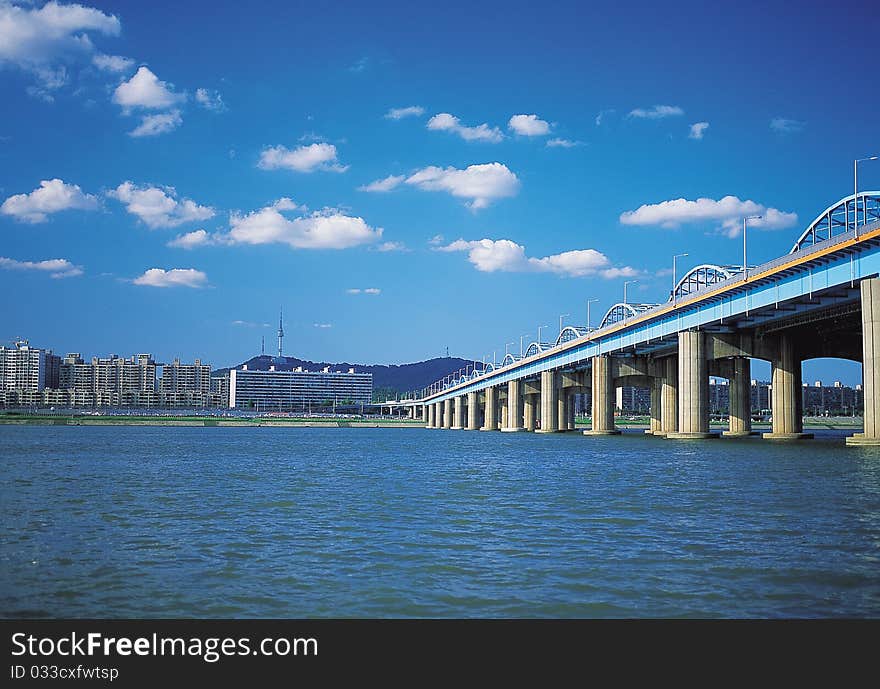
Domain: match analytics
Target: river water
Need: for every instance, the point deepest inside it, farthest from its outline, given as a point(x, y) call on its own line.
point(276, 522)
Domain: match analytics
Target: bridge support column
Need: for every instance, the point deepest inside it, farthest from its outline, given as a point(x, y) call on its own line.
point(669, 397)
point(529, 412)
point(447, 414)
point(549, 402)
point(656, 406)
point(514, 407)
point(491, 421)
point(570, 413)
point(603, 398)
point(562, 409)
point(870, 363)
point(426, 413)
point(693, 387)
point(786, 394)
point(438, 414)
point(458, 413)
point(740, 391)
point(473, 412)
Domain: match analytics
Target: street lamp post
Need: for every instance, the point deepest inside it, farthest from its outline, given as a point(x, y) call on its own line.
point(626, 282)
point(562, 318)
point(521, 345)
point(856, 193)
point(506, 345)
point(589, 326)
point(675, 274)
point(745, 260)
point(540, 327)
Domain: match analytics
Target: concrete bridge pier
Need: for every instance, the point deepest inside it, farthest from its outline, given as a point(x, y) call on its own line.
point(693, 387)
point(473, 412)
point(786, 394)
point(514, 408)
point(438, 415)
point(491, 416)
point(740, 396)
point(549, 402)
point(429, 416)
point(656, 406)
point(562, 409)
point(870, 295)
point(669, 397)
point(603, 398)
point(529, 404)
point(447, 414)
point(458, 413)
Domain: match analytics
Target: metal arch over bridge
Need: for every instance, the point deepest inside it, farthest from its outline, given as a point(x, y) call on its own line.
point(821, 300)
point(623, 311)
point(841, 217)
point(701, 277)
point(569, 333)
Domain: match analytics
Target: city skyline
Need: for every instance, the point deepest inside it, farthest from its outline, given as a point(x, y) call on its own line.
point(194, 189)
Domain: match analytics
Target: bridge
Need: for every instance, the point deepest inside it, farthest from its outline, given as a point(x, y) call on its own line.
point(822, 299)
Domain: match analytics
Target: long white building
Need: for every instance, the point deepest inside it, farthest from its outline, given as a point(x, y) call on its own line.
point(297, 390)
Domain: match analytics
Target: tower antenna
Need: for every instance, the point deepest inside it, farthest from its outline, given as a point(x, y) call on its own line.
point(262, 345)
point(280, 330)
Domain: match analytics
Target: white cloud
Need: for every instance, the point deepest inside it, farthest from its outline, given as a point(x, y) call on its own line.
point(328, 229)
point(52, 196)
point(400, 113)
point(159, 206)
point(504, 255)
point(529, 125)
point(322, 325)
point(145, 90)
point(435, 240)
point(191, 240)
point(49, 79)
point(698, 129)
point(159, 123)
point(382, 185)
point(372, 290)
point(483, 132)
point(32, 38)
point(602, 116)
point(249, 324)
point(56, 267)
point(657, 112)
point(369, 290)
point(210, 100)
point(482, 184)
point(563, 143)
point(320, 156)
point(112, 63)
point(285, 204)
point(783, 125)
point(391, 246)
point(175, 277)
point(728, 212)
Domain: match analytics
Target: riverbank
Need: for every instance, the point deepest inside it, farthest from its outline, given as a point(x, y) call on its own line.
point(204, 421)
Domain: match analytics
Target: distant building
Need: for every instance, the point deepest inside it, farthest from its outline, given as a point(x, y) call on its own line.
point(218, 395)
point(630, 400)
point(185, 385)
point(25, 372)
point(297, 390)
point(109, 382)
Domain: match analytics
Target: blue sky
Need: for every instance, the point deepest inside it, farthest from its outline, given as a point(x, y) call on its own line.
point(269, 143)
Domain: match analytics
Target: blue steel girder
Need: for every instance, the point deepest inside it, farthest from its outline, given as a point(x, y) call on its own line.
point(829, 267)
